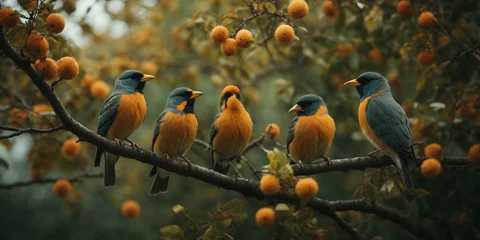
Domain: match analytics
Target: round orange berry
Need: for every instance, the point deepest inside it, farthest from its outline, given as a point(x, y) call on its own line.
point(329, 9)
point(67, 68)
point(229, 47)
point(284, 33)
point(70, 6)
point(306, 188)
point(298, 9)
point(433, 150)
point(426, 57)
point(422, 37)
point(149, 67)
point(219, 34)
point(36, 173)
point(375, 55)
point(474, 154)
point(71, 148)
point(463, 219)
point(269, 184)
point(265, 217)
point(62, 188)
point(42, 107)
point(47, 68)
point(430, 168)
point(55, 23)
point(272, 130)
point(8, 18)
point(87, 81)
point(404, 9)
point(100, 90)
point(426, 20)
point(18, 116)
point(244, 38)
point(130, 209)
point(36, 46)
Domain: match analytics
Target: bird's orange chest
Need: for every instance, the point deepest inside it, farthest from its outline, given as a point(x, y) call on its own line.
point(234, 129)
point(177, 134)
point(131, 113)
point(313, 136)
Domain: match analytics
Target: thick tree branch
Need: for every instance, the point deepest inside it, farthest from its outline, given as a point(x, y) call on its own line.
point(361, 163)
point(78, 178)
point(20, 131)
point(385, 213)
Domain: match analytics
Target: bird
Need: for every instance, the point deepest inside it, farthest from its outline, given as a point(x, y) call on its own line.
point(311, 132)
point(231, 129)
point(175, 131)
point(122, 113)
point(384, 122)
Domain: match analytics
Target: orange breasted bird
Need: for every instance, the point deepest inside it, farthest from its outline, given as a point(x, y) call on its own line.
point(175, 132)
point(231, 129)
point(384, 122)
point(311, 132)
point(122, 113)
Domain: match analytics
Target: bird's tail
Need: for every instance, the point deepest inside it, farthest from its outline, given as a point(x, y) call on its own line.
point(109, 174)
point(404, 167)
point(160, 182)
point(221, 165)
point(98, 157)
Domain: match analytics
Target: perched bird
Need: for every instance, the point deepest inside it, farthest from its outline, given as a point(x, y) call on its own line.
point(231, 129)
point(175, 132)
point(122, 113)
point(311, 132)
point(384, 122)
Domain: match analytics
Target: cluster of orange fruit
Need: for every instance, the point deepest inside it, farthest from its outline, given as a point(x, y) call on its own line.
point(426, 20)
point(284, 33)
point(432, 166)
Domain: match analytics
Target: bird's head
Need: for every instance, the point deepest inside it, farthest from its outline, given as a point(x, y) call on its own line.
point(133, 80)
point(183, 99)
point(308, 105)
point(230, 98)
point(369, 83)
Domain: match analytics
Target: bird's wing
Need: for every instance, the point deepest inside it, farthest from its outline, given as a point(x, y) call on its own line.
point(389, 122)
point(108, 112)
point(157, 127)
point(291, 132)
point(213, 133)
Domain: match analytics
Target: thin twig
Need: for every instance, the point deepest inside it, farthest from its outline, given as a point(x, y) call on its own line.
point(16, 96)
point(19, 131)
point(78, 178)
point(54, 83)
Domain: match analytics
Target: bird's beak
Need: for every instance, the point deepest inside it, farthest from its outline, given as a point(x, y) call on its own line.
point(295, 108)
point(196, 94)
point(352, 83)
point(146, 78)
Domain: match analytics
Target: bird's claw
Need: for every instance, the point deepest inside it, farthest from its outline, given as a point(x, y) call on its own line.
point(186, 160)
point(134, 145)
point(167, 156)
point(117, 141)
point(372, 153)
point(329, 160)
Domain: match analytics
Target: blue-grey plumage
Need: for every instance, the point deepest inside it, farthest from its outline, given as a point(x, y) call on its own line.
point(122, 113)
point(174, 133)
point(384, 122)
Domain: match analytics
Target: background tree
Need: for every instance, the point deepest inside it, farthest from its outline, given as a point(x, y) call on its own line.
point(60, 59)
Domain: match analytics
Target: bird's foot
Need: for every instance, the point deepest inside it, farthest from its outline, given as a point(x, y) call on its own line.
point(166, 156)
point(186, 160)
point(117, 141)
point(372, 153)
point(134, 145)
point(329, 160)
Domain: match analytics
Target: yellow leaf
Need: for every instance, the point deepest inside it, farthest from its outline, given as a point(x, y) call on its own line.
point(373, 19)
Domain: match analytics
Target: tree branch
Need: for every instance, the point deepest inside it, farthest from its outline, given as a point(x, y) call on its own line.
point(386, 213)
point(78, 178)
point(361, 163)
point(20, 131)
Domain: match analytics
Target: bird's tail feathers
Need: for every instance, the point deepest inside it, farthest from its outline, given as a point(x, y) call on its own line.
point(404, 168)
point(221, 166)
point(109, 174)
point(160, 182)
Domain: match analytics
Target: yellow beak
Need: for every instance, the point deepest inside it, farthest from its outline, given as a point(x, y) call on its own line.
point(352, 83)
point(295, 108)
point(146, 78)
point(196, 94)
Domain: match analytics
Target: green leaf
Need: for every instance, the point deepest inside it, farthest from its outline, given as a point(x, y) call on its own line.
point(171, 232)
point(210, 234)
point(235, 206)
point(282, 207)
point(270, 7)
point(374, 18)
point(178, 209)
point(224, 223)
